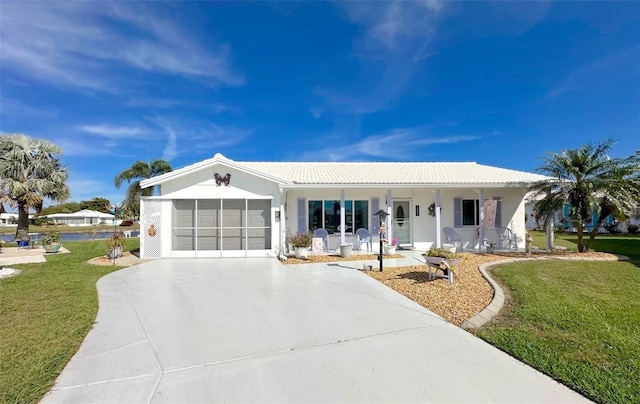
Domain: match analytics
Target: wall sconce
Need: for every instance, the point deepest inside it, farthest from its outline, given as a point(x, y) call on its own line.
point(277, 215)
point(417, 210)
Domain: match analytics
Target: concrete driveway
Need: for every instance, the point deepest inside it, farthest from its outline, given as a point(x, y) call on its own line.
point(253, 330)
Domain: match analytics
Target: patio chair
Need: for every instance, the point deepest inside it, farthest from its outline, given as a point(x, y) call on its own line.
point(22, 238)
point(451, 236)
point(506, 237)
point(323, 234)
point(364, 237)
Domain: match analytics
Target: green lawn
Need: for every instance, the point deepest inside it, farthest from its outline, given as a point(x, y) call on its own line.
point(45, 313)
point(578, 322)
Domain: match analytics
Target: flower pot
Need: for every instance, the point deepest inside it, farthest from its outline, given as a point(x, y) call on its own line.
point(115, 252)
point(490, 249)
point(51, 247)
point(389, 249)
point(449, 247)
point(345, 250)
point(302, 252)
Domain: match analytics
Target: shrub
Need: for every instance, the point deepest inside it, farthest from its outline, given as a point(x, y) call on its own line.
point(442, 253)
point(50, 238)
point(300, 240)
point(116, 240)
point(632, 228)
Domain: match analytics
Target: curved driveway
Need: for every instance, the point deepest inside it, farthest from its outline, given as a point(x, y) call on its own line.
point(253, 330)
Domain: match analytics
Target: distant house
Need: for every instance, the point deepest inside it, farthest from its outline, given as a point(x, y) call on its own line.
point(8, 219)
point(84, 217)
point(225, 208)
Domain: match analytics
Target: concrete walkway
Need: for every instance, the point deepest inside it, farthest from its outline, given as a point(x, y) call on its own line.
point(253, 330)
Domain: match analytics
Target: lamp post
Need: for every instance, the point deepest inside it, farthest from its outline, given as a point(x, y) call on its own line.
point(382, 215)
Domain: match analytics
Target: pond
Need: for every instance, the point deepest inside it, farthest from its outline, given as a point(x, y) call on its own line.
point(76, 236)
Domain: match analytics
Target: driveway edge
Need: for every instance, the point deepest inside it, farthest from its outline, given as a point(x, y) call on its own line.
point(496, 304)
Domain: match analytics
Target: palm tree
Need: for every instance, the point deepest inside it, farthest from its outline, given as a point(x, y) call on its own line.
point(30, 172)
point(133, 175)
point(590, 182)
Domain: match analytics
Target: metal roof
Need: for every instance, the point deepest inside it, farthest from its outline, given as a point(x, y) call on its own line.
point(392, 173)
point(291, 174)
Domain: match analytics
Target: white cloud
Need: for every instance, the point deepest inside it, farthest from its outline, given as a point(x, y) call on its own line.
point(77, 44)
point(395, 144)
point(584, 77)
point(113, 132)
point(11, 107)
point(170, 150)
point(83, 189)
point(395, 37)
point(395, 24)
point(219, 136)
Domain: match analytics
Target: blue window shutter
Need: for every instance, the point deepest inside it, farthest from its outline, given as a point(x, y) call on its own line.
point(498, 211)
point(302, 215)
point(375, 207)
point(457, 212)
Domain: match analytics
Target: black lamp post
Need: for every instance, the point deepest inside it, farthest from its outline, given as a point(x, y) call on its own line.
point(382, 215)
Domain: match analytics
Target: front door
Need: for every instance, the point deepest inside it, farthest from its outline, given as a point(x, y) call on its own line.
point(402, 222)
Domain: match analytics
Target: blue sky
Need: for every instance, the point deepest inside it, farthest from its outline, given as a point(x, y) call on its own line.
point(499, 83)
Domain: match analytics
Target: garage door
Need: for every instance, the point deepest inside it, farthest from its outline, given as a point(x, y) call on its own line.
point(221, 227)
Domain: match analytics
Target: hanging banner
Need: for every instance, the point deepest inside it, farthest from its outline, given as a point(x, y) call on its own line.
point(490, 208)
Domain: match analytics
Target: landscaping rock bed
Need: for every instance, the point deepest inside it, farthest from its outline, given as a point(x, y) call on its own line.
point(469, 293)
point(314, 259)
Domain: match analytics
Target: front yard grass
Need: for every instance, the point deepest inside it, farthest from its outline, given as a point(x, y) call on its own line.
point(577, 321)
point(45, 313)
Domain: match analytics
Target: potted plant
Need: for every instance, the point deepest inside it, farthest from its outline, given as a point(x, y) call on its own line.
point(115, 245)
point(301, 242)
point(443, 260)
point(437, 255)
point(51, 242)
point(390, 249)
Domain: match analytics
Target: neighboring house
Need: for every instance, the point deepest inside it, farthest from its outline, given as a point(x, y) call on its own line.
point(562, 216)
point(225, 208)
point(9, 219)
point(83, 217)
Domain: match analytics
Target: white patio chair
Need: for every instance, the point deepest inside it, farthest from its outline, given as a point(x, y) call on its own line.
point(452, 237)
point(506, 237)
point(364, 237)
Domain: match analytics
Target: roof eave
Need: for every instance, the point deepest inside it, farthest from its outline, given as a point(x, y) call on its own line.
point(208, 163)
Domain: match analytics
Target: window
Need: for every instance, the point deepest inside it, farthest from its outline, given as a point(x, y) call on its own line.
point(326, 214)
point(470, 212)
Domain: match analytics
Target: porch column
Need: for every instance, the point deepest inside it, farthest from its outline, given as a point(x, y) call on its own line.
point(342, 217)
point(389, 217)
point(481, 228)
point(438, 229)
point(283, 224)
point(549, 234)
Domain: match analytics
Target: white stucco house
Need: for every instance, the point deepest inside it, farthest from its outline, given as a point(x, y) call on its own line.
point(85, 217)
point(225, 208)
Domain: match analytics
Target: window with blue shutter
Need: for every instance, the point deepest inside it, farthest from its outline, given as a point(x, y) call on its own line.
point(302, 215)
point(457, 212)
point(375, 207)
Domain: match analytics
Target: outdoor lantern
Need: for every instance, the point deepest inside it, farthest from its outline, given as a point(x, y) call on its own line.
point(382, 215)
